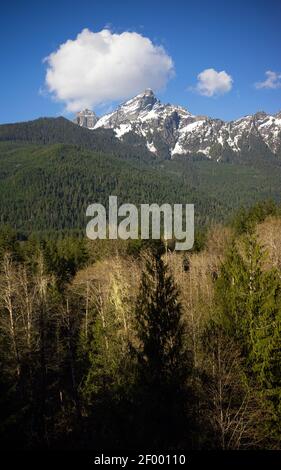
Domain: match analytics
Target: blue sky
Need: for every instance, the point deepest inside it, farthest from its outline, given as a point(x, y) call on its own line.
point(242, 38)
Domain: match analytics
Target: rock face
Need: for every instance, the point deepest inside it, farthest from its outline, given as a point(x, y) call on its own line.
point(86, 118)
point(169, 130)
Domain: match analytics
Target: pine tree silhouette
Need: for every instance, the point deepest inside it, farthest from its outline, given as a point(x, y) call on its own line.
point(163, 363)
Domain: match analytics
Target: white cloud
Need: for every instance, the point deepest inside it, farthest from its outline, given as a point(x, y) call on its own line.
point(272, 81)
point(99, 67)
point(213, 83)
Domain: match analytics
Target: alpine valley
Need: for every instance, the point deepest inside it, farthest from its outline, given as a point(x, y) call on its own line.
point(51, 169)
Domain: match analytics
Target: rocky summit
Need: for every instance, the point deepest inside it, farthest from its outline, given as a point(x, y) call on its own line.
point(86, 118)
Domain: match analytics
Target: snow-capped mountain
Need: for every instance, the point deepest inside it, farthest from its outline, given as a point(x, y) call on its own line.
point(169, 130)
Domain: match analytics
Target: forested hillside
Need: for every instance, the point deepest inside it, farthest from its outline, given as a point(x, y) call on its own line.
point(48, 187)
point(119, 345)
point(46, 131)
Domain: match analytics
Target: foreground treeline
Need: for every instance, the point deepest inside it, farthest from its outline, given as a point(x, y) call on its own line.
point(144, 347)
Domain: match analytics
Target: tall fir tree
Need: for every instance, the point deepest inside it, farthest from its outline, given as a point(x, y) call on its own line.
point(163, 363)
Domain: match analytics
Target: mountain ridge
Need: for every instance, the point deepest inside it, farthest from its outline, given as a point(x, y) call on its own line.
point(171, 130)
point(60, 130)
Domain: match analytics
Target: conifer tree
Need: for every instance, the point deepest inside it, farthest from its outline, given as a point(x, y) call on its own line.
point(249, 301)
point(163, 364)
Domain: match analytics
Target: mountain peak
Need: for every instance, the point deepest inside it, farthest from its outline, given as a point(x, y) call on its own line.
point(148, 92)
point(86, 118)
point(144, 100)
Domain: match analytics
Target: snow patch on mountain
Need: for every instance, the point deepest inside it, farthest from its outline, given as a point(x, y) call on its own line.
point(122, 129)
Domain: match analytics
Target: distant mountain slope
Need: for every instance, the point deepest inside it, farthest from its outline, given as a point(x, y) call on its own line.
point(45, 131)
point(49, 187)
point(169, 131)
